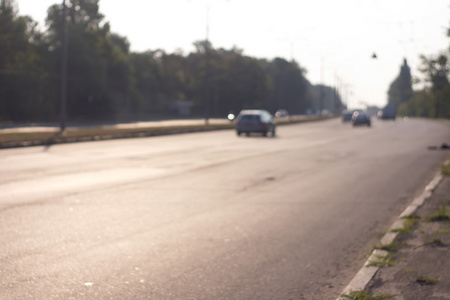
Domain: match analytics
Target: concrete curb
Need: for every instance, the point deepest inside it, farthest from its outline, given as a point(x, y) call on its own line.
point(366, 273)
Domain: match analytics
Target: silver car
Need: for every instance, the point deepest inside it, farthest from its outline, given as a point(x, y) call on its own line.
point(255, 120)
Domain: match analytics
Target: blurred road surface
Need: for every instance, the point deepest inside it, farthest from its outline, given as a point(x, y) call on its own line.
point(208, 215)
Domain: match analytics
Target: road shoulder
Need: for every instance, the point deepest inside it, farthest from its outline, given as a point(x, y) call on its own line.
point(413, 258)
point(421, 264)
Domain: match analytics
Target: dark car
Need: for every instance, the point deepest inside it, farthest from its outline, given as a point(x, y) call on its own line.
point(388, 112)
point(255, 120)
point(347, 115)
point(360, 118)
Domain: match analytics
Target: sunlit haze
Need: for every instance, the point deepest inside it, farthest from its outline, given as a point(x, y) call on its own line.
point(333, 40)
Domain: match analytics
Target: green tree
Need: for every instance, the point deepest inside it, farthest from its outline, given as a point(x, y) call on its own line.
point(174, 76)
point(107, 81)
point(23, 78)
point(225, 80)
point(418, 106)
point(437, 72)
point(242, 83)
point(400, 90)
point(99, 74)
point(147, 86)
point(202, 67)
point(289, 89)
point(434, 99)
point(327, 98)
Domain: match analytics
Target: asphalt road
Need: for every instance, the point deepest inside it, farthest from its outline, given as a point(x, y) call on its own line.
point(208, 215)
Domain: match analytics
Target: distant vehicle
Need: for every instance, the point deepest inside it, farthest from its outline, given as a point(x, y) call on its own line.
point(255, 120)
point(281, 113)
point(360, 118)
point(388, 112)
point(347, 115)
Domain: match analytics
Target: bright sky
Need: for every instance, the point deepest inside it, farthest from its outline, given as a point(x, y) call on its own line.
point(333, 40)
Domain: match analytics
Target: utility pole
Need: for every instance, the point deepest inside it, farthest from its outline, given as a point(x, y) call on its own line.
point(63, 112)
point(336, 99)
point(207, 100)
point(322, 90)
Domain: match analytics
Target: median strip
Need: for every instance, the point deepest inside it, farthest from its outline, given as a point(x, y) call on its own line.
point(12, 138)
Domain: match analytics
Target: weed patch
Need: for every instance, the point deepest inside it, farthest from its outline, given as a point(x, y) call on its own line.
point(412, 217)
point(364, 295)
point(383, 261)
point(408, 226)
point(393, 247)
point(440, 215)
point(423, 280)
point(445, 170)
point(409, 270)
point(436, 243)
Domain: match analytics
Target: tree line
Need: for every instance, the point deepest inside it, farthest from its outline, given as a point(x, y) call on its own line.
point(107, 81)
point(432, 98)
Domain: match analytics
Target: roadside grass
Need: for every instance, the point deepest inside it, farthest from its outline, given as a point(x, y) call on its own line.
point(19, 137)
point(440, 215)
point(424, 280)
point(364, 295)
point(408, 225)
point(393, 247)
point(383, 261)
point(413, 216)
point(100, 133)
point(445, 170)
point(437, 242)
point(387, 259)
point(71, 135)
point(409, 270)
